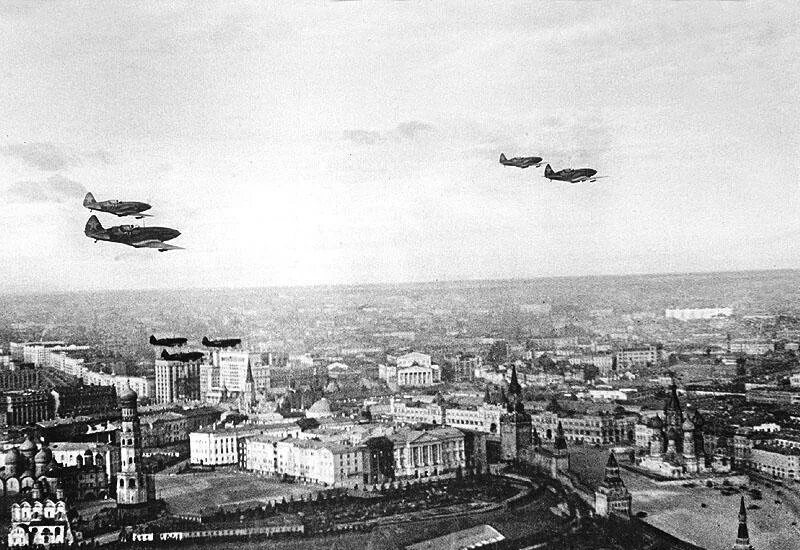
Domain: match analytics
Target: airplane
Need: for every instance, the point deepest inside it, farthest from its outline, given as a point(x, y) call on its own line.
point(229, 343)
point(520, 162)
point(168, 342)
point(571, 175)
point(137, 237)
point(188, 356)
point(118, 208)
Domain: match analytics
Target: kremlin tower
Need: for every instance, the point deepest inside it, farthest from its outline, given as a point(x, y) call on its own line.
point(742, 536)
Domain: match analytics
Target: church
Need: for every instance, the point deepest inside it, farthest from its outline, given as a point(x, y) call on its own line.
point(673, 446)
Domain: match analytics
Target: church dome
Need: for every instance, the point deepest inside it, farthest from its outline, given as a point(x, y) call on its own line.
point(44, 456)
point(688, 425)
point(128, 398)
point(28, 445)
point(672, 434)
point(12, 457)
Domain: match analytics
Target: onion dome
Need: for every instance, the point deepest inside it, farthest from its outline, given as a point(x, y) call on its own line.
point(127, 398)
point(12, 457)
point(26, 473)
point(44, 456)
point(672, 434)
point(28, 446)
point(688, 425)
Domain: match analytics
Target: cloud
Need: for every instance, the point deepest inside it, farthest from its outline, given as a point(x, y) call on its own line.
point(55, 189)
point(407, 131)
point(50, 157)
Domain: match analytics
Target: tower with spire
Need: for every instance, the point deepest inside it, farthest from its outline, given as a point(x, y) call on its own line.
point(742, 535)
point(135, 490)
point(515, 424)
point(611, 496)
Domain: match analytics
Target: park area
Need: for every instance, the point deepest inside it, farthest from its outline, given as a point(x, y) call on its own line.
point(705, 516)
point(205, 492)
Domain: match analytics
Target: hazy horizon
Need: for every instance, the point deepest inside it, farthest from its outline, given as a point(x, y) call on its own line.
point(675, 274)
point(331, 143)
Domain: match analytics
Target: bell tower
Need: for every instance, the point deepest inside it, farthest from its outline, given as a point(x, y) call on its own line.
point(135, 491)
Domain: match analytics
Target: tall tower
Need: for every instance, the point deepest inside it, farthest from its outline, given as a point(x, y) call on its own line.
point(611, 496)
point(560, 462)
point(515, 425)
point(135, 492)
point(742, 536)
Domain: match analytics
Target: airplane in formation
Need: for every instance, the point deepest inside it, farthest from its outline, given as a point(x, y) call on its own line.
point(131, 235)
point(571, 175)
point(167, 342)
point(186, 356)
point(520, 162)
point(118, 208)
point(225, 343)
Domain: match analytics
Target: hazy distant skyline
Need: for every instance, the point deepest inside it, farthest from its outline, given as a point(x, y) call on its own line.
point(357, 142)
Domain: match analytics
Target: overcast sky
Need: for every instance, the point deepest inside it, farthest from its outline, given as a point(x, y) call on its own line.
point(348, 142)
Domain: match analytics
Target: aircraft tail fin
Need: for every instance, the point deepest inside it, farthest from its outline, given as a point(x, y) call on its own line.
point(503, 157)
point(153, 340)
point(205, 341)
point(548, 171)
point(93, 226)
point(88, 200)
point(165, 355)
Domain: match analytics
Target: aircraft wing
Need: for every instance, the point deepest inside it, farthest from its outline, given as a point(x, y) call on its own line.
point(156, 244)
point(139, 215)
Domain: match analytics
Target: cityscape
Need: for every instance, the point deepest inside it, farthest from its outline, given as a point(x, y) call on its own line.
point(384, 275)
point(547, 413)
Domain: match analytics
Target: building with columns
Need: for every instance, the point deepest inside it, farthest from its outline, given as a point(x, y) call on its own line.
point(427, 453)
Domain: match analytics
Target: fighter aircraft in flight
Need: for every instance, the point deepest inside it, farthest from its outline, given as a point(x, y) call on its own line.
point(520, 162)
point(167, 342)
point(118, 208)
point(227, 343)
point(572, 175)
point(186, 356)
point(137, 237)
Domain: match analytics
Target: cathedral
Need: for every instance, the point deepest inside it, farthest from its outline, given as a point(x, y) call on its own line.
point(674, 445)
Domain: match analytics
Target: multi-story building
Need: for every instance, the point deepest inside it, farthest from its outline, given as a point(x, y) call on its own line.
point(750, 347)
point(601, 428)
point(25, 407)
point(691, 314)
point(82, 400)
point(217, 446)
point(327, 463)
point(144, 386)
point(427, 453)
point(773, 396)
point(637, 357)
point(163, 429)
point(177, 380)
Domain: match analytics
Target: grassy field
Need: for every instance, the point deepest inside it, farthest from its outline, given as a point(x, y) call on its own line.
point(191, 493)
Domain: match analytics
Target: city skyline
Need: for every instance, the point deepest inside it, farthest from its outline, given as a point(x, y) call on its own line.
point(289, 151)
